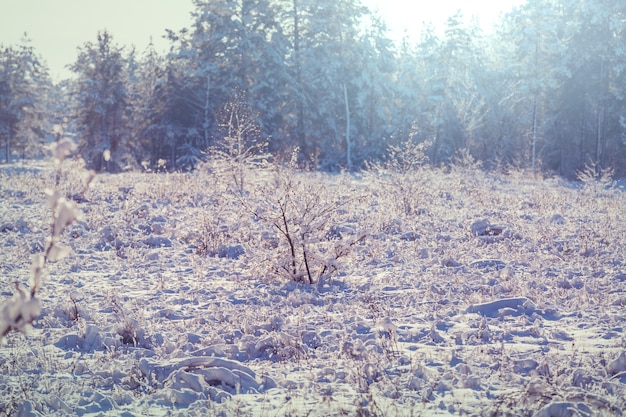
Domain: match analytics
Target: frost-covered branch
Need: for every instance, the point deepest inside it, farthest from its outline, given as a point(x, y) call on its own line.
point(19, 312)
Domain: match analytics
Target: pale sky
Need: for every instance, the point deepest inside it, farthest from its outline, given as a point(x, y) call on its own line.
point(58, 27)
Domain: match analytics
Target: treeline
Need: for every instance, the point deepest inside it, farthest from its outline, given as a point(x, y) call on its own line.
point(544, 90)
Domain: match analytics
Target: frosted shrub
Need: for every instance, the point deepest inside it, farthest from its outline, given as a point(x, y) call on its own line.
point(307, 217)
point(19, 312)
point(213, 232)
point(408, 157)
point(402, 175)
point(241, 148)
point(464, 161)
point(596, 181)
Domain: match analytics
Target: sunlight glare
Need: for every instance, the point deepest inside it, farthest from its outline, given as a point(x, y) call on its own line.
point(404, 18)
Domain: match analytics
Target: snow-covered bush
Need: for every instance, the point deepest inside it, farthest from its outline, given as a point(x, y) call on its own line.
point(402, 174)
point(596, 181)
point(310, 220)
point(241, 148)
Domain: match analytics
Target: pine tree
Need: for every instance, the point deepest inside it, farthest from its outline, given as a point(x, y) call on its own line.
point(102, 100)
point(24, 84)
point(149, 103)
point(329, 58)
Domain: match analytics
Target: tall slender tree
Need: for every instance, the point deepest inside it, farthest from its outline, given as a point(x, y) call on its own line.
point(372, 93)
point(150, 103)
point(597, 63)
point(539, 67)
point(329, 60)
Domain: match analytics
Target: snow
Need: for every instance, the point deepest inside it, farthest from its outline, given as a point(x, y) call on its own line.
point(171, 302)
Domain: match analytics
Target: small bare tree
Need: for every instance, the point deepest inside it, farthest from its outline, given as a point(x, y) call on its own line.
point(306, 215)
point(242, 147)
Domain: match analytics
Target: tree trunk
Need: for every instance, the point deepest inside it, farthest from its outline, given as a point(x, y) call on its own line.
point(206, 124)
point(245, 12)
point(534, 126)
point(348, 138)
point(534, 139)
point(436, 146)
point(600, 119)
point(300, 134)
point(599, 137)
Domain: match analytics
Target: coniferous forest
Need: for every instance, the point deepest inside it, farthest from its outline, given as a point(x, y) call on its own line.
point(544, 90)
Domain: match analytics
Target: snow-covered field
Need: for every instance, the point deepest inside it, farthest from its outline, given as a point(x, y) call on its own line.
point(453, 293)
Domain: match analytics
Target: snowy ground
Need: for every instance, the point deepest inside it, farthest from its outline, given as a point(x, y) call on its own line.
point(458, 294)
